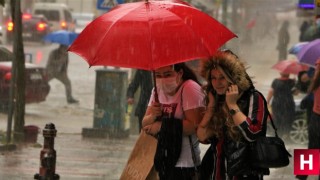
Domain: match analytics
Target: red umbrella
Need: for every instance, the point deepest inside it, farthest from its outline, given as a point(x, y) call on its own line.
point(148, 35)
point(290, 67)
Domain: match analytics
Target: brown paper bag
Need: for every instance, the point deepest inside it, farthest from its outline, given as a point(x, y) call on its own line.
point(140, 162)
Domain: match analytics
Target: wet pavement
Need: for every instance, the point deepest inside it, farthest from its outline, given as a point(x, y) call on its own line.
point(91, 159)
point(77, 158)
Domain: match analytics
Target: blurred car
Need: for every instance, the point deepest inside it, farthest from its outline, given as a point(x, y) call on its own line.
point(82, 20)
point(35, 27)
point(37, 86)
point(298, 131)
point(1, 34)
point(58, 14)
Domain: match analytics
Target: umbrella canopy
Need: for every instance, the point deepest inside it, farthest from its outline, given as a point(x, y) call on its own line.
point(297, 47)
point(310, 52)
point(61, 37)
point(148, 35)
point(290, 66)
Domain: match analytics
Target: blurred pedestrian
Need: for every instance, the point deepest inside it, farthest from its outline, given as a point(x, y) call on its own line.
point(303, 82)
point(57, 67)
point(236, 114)
point(283, 105)
point(302, 86)
point(314, 122)
point(142, 79)
point(314, 125)
point(247, 38)
point(313, 31)
point(180, 109)
point(303, 28)
point(283, 40)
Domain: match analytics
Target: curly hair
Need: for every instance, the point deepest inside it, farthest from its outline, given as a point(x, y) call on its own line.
point(235, 71)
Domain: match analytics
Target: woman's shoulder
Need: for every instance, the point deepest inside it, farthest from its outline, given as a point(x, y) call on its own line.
point(190, 84)
point(252, 92)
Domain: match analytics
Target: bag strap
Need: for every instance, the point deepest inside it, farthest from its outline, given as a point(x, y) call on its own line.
point(265, 103)
point(193, 154)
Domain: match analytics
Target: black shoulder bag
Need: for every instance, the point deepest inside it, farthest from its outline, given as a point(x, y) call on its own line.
point(269, 152)
point(256, 157)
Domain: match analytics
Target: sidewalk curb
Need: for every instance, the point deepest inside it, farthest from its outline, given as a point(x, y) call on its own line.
point(8, 147)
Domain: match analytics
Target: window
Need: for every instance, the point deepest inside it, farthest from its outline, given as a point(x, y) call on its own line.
point(68, 16)
point(51, 15)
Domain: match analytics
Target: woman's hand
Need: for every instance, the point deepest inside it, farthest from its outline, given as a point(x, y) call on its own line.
point(232, 95)
point(153, 129)
point(152, 113)
point(155, 110)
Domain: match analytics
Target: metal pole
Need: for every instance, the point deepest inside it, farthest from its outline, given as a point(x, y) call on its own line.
point(224, 12)
point(11, 89)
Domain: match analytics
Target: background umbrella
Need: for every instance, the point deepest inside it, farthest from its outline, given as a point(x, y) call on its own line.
point(61, 37)
point(290, 67)
point(310, 52)
point(297, 47)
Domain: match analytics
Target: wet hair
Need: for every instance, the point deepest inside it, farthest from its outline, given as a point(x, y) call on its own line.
point(188, 73)
point(232, 67)
point(300, 74)
point(235, 70)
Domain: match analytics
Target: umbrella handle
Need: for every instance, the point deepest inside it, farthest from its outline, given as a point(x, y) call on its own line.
point(155, 87)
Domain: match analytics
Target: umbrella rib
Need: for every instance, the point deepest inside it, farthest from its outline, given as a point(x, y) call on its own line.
point(150, 37)
point(190, 28)
point(105, 34)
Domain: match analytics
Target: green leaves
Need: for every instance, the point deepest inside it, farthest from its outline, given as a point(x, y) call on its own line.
point(2, 2)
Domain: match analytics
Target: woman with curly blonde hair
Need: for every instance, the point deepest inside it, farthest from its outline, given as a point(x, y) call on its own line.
point(236, 113)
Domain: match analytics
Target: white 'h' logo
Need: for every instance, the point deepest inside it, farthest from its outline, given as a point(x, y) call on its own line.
point(307, 161)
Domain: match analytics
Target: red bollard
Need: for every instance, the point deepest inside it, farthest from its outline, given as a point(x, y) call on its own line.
point(48, 155)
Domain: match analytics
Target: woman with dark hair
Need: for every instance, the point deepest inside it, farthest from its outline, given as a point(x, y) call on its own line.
point(173, 121)
point(303, 82)
point(236, 114)
point(280, 96)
